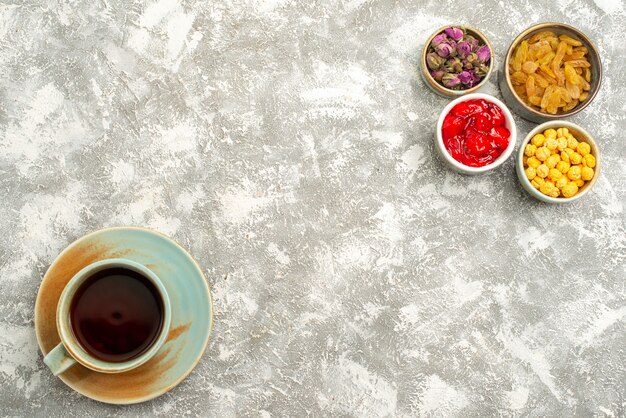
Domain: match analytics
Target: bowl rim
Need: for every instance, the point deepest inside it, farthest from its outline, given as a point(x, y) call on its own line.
point(555, 124)
point(509, 121)
point(434, 83)
point(545, 25)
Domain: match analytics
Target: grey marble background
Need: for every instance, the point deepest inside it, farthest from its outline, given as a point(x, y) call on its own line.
point(288, 146)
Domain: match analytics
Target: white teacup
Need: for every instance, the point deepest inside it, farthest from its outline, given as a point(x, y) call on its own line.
point(70, 351)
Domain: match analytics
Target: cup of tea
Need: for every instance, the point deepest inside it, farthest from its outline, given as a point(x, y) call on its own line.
point(113, 315)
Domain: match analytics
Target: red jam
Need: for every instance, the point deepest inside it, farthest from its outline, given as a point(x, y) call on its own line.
point(474, 132)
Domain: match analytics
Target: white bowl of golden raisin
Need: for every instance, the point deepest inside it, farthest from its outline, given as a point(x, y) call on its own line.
point(551, 71)
point(558, 162)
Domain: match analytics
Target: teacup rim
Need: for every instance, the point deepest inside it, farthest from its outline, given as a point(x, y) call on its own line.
point(66, 333)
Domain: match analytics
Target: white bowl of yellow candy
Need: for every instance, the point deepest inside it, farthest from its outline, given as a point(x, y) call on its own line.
point(558, 162)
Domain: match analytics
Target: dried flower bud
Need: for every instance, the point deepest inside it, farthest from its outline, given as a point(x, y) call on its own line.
point(473, 42)
point(463, 49)
point(481, 70)
point(453, 65)
point(484, 54)
point(445, 49)
point(451, 80)
point(437, 74)
point(472, 58)
point(455, 34)
point(434, 61)
point(439, 39)
point(468, 78)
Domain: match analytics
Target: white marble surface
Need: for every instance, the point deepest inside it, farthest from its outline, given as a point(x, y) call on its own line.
point(288, 145)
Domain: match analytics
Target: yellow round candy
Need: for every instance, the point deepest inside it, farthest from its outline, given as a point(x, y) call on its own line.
point(561, 143)
point(538, 140)
point(586, 173)
point(571, 141)
point(542, 171)
point(552, 160)
point(537, 182)
point(580, 183)
point(560, 183)
point(525, 160)
point(562, 166)
point(530, 150)
point(551, 143)
point(545, 189)
point(549, 189)
point(574, 172)
point(583, 148)
point(559, 132)
point(575, 158)
point(590, 160)
point(549, 133)
point(565, 156)
point(555, 192)
point(554, 174)
point(565, 131)
point(542, 153)
point(530, 173)
point(533, 162)
point(569, 190)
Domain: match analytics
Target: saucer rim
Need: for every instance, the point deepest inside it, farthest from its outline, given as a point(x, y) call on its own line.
point(156, 394)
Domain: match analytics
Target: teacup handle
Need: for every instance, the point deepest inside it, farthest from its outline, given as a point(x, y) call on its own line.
point(59, 360)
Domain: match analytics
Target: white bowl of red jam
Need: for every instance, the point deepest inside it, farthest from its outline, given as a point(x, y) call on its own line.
point(475, 134)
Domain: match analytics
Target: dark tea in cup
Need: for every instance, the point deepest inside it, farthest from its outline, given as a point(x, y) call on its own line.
point(116, 314)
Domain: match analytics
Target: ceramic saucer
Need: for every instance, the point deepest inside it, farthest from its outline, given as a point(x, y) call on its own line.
point(192, 312)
